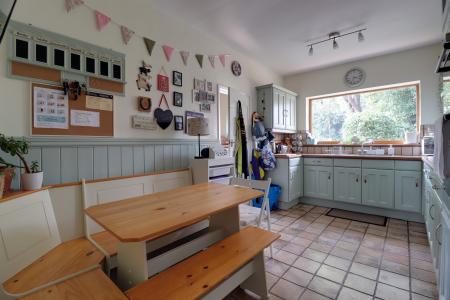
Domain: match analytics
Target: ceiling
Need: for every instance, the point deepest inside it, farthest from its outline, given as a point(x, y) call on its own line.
point(275, 31)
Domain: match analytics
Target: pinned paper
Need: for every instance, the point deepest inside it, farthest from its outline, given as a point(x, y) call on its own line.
point(199, 58)
point(71, 4)
point(222, 59)
point(149, 44)
point(168, 51)
point(212, 59)
point(126, 34)
point(102, 20)
point(184, 56)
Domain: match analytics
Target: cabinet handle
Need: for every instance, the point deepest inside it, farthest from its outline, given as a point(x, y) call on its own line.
point(329, 175)
point(365, 179)
point(436, 233)
point(357, 178)
point(429, 212)
point(417, 182)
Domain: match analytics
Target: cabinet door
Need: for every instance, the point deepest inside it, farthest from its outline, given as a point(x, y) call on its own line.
point(444, 272)
point(378, 188)
point(408, 189)
point(310, 181)
point(324, 183)
point(347, 184)
point(278, 109)
point(290, 112)
point(295, 182)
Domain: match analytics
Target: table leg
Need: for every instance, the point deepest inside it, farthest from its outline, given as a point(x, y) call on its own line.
point(228, 220)
point(257, 282)
point(132, 264)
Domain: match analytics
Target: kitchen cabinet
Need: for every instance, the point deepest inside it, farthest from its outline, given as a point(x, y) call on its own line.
point(408, 189)
point(433, 208)
point(278, 106)
point(318, 182)
point(444, 272)
point(378, 188)
point(289, 176)
point(347, 184)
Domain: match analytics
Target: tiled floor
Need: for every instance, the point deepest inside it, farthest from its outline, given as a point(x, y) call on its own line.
point(321, 257)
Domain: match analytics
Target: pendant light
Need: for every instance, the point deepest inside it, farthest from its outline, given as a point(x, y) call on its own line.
point(361, 37)
point(311, 51)
point(335, 44)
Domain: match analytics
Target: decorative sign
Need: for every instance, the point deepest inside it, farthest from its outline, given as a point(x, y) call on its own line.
point(144, 104)
point(163, 83)
point(191, 114)
point(84, 118)
point(99, 101)
point(143, 122)
point(50, 108)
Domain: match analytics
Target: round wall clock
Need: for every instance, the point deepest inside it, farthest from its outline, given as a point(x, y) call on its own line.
point(355, 77)
point(236, 68)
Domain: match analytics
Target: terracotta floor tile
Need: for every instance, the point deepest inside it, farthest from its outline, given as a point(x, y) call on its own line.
point(314, 255)
point(394, 267)
point(324, 287)
point(423, 275)
point(424, 288)
point(422, 256)
point(422, 264)
point(388, 292)
point(327, 240)
point(306, 264)
point(360, 283)
point(301, 241)
point(275, 267)
point(351, 246)
point(394, 279)
point(331, 273)
point(270, 280)
point(310, 295)
point(298, 276)
point(337, 262)
point(294, 248)
point(308, 235)
point(342, 253)
point(285, 257)
point(415, 296)
point(368, 260)
point(349, 294)
point(286, 290)
point(404, 260)
point(321, 247)
point(279, 244)
point(364, 270)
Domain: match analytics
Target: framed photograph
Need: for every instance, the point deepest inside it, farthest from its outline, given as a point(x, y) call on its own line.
point(205, 107)
point(179, 126)
point(209, 86)
point(203, 96)
point(199, 84)
point(177, 99)
point(163, 83)
point(211, 97)
point(144, 104)
point(177, 78)
point(195, 96)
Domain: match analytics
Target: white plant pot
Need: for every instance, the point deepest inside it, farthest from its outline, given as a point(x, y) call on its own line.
point(31, 181)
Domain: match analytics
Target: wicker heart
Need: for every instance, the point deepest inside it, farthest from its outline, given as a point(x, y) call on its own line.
point(163, 117)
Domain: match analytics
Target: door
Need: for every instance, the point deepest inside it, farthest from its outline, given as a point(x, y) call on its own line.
point(324, 182)
point(347, 184)
point(290, 112)
point(408, 191)
point(378, 188)
point(278, 109)
point(310, 181)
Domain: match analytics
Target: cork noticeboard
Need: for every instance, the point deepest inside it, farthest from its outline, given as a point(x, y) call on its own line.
point(104, 127)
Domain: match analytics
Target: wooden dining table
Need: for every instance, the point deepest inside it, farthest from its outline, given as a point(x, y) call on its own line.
point(138, 221)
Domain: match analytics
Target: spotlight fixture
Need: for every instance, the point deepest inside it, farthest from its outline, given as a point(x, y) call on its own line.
point(361, 37)
point(333, 36)
point(335, 44)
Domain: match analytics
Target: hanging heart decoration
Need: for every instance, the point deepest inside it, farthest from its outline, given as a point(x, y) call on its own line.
point(163, 117)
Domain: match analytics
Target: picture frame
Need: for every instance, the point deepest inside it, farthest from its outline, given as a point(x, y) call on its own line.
point(178, 99)
point(199, 84)
point(179, 123)
point(163, 83)
point(205, 107)
point(177, 78)
point(144, 104)
point(195, 96)
point(209, 86)
point(211, 97)
point(203, 96)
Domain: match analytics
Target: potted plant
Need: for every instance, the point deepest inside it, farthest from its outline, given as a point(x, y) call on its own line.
point(19, 148)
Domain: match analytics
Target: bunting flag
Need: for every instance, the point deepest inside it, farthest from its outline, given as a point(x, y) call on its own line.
point(126, 34)
point(222, 59)
point(149, 44)
point(199, 58)
point(212, 60)
point(102, 20)
point(71, 4)
point(167, 51)
point(184, 56)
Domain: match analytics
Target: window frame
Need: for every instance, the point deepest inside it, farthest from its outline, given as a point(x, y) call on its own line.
point(416, 84)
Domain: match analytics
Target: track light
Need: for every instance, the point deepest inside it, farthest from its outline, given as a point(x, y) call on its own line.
point(335, 44)
point(361, 37)
point(311, 51)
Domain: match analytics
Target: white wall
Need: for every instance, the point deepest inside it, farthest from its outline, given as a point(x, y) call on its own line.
point(80, 24)
point(406, 66)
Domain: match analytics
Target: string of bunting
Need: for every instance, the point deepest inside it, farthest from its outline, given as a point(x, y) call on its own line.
point(102, 21)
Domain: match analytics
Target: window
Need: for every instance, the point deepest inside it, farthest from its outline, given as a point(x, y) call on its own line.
point(446, 95)
point(383, 113)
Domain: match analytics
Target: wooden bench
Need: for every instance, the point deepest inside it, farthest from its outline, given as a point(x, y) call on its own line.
point(214, 272)
point(93, 285)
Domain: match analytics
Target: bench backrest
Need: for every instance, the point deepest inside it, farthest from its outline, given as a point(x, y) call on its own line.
point(28, 230)
point(96, 193)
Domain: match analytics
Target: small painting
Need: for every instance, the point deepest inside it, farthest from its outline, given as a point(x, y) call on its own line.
point(203, 96)
point(177, 99)
point(209, 86)
point(163, 83)
point(177, 78)
point(195, 96)
point(211, 97)
point(179, 126)
point(205, 107)
point(199, 84)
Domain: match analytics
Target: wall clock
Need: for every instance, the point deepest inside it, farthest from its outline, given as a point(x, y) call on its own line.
point(354, 77)
point(236, 68)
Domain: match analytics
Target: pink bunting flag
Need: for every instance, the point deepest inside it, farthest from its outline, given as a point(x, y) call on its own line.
point(102, 20)
point(126, 34)
point(222, 59)
point(184, 56)
point(212, 59)
point(71, 4)
point(168, 51)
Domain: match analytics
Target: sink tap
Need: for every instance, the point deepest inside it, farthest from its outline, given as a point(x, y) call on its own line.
point(369, 141)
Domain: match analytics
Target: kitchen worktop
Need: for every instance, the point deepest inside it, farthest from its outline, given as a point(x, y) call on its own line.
point(351, 156)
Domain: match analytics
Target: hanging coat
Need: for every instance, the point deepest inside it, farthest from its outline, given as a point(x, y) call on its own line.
point(241, 145)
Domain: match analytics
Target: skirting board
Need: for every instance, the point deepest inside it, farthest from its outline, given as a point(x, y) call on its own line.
point(386, 212)
point(287, 205)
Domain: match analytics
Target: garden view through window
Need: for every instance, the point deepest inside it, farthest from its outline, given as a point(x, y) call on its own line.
point(383, 114)
point(446, 95)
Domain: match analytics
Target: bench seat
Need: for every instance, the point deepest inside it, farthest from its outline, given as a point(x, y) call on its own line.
point(63, 260)
point(107, 241)
point(93, 285)
point(203, 272)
